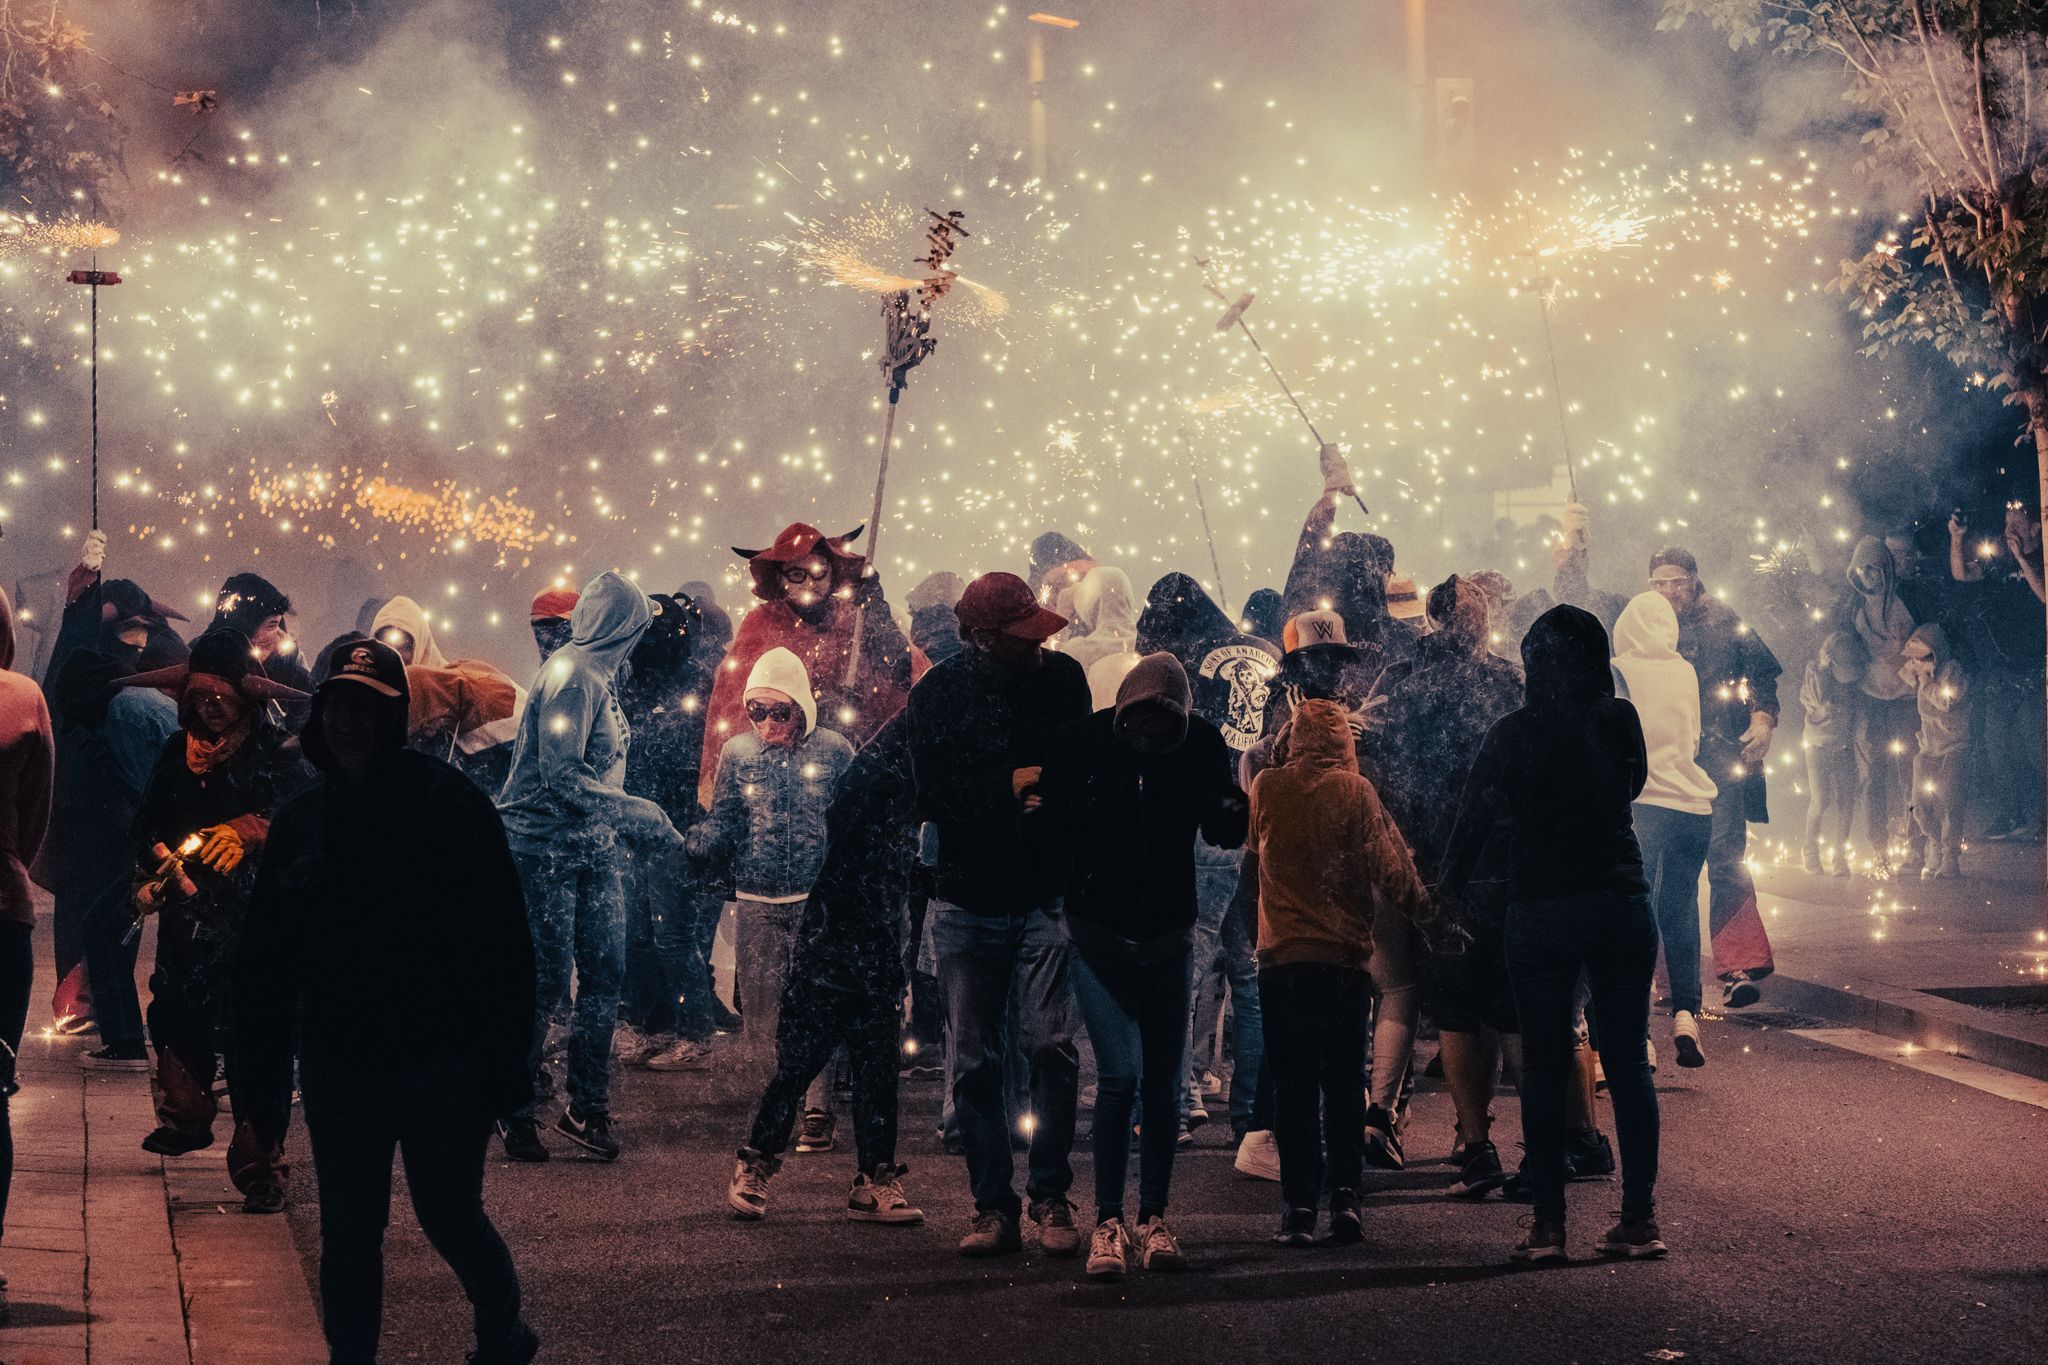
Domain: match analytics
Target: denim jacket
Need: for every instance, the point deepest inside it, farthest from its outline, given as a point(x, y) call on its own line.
point(765, 833)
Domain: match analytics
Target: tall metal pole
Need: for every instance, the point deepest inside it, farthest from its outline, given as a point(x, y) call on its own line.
point(1037, 76)
point(95, 395)
point(1571, 472)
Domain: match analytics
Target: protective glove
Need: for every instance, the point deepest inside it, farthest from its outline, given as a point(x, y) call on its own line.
point(1756, 740)
point(1336, 472)
point(95, 552)
point(221, 848)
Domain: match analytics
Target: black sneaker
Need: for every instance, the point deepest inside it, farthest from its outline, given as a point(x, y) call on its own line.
point(265, 1196)
point(1739, 992)
point(521, 1137)
point(814, 1134)
point(517, 1349)
point(170, 1142)
point(1345, 1228)
point(1588, 1155)
point(1544, 1241)
point(1635, 1241)
point(117, 1057)
point(1297, 1229)
point(593, 1133)
point(1382, 1147)
point(1479, 1170)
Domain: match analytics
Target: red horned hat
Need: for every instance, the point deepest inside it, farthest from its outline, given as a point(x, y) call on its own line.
point(800, 541)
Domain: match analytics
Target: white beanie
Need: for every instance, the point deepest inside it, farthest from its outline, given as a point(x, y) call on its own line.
point(781, 671)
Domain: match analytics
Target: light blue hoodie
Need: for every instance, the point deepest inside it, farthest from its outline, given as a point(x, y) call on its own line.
point(565, 795)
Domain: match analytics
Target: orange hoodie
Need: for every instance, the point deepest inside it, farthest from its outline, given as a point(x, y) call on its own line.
point(1328, 851)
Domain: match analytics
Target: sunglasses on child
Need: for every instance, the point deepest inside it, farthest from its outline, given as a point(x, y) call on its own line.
point(781, 712)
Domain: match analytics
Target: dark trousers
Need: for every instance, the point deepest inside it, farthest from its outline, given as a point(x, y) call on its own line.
point(1612, 940)
point(1674, 848)
point(927, 1024)
point(17, 979)
point(1136, 1014)
point(431, 1114)
point(1315, 1054)
point(110, 967)
point(814, 1021)
point(1731, 891)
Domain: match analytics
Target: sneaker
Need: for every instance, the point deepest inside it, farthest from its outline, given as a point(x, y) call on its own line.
point(1685, 1036)
point(116, 1057)
point(991, 1234)
point(594, 1133)
point(879, 1198)
point(1158, 1248)
point(1109, 1250)
point(1638, 1241)
point(747, 1195)
point(1187, 1136)
point(1809, 863)
point(681, 1055)
point(1479, 1169)
point(1258, 1155)
point(1198, 1114)
point(814, 1134)
point(517, 1349)
point(1297, 1229)
point(1057, 1235)
point(1739, 992)
point(1841, 867)
point(1588, 1155)
point(1212, 1085)
point(521, 1137)
point(1382, 1147)
point(1544, 1241)
point(630, 1046)
point(1346, 1228)
point(170, 1142)
point(265, 1196)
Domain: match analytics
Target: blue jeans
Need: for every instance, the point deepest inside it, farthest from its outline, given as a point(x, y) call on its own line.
point(685, 919)
point(1612, 940)
point(1674, 850)
point(978, 956)
point(1135, 1013)
point(578, 916)
point(1223, 945)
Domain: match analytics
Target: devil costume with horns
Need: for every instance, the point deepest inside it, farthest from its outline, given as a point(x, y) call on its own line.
point(812, 589)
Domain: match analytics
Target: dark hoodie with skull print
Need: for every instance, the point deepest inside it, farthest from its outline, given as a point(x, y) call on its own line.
point(1228, 671)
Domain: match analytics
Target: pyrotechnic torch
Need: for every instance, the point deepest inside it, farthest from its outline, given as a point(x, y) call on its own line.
point(95, 278)
point(169, 880)
point(1233, 315)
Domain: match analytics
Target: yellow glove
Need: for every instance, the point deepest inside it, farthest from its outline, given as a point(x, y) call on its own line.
point(221, 848)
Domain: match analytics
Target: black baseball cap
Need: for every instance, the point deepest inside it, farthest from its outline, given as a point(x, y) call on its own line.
point(373, 664)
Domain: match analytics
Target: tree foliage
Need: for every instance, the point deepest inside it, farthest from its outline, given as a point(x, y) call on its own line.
point(59, 138)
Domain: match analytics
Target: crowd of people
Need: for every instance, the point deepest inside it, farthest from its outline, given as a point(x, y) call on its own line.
point(1039, 824)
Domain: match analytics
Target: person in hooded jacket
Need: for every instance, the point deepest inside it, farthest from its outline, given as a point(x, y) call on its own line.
point(1346, 572)
point(407, 1002)
point(566, 812)
point(845, 986)
point(1107, 647)
point(1941, 691)
point(1329, 860)
point(1128, 791)
point(99, 611)
point(1559, 776)
point(27, 766)
point(550, 617)
point(253, 605)
point(1674, 813)
point(1264, 615)
point(1439, 707)
point(1830, 694)
point(933, 626)
point(1571, 582)
point(464, 711)
point(1058, 564)
point(1738, 717)
point(1875, 610)
point(204, 817)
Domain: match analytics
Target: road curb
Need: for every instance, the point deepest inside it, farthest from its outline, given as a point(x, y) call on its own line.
point(1915, 1017)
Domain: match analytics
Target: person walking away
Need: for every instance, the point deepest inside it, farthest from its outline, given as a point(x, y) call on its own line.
point(566, 812)
point(1942, 748)
point(407, 1002)
point(765, 837)
point(1107, 647)
point(464, 711)
point(1874, 610)
point(845, 987)
point(1829, 699)
point(981, 726)
point(1128, 791)
point(28, 763)
point(1561, 774)
point(1438, 710)
point(1738, 716)
point(1674, 814)
point(1327, 855)
point(202, 823)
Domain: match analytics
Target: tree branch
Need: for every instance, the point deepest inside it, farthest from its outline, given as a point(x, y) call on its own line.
point(1941, 100)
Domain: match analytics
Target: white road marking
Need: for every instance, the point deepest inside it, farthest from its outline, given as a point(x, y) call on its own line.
point(1961, 1070)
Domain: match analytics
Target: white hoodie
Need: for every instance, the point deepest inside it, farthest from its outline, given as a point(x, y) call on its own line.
point(1103, 602)
point(1666, 694)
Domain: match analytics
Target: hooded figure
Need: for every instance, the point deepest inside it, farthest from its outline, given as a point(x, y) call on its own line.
point(1228, 670)
point(461, 710)
point(1666, 694)
point(1264, 615)
point(1886, 721)
point(1942, 694)
point(934, 627)
point(1874, 610)
point(406, 999)
point(1104, 606)
point(811, 587)
point(246, 602)
point(550, 615)
point(1057, 565)
point(27, 764)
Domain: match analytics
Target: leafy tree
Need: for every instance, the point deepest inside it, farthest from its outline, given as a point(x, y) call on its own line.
point(59, 140)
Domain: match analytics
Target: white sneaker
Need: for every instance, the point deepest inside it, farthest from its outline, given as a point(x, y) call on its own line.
point(1685, 1036)
point(880, 1199)
point(1258, 1156)
point(1109, 1251)
point(748, 1192)
point(681, 1055)
point(1158, 1247)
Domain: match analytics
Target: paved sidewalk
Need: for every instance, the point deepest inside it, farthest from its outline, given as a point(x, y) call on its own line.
point(118, 1256)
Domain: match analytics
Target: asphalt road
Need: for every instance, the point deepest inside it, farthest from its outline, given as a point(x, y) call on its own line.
point(1820, 1206)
